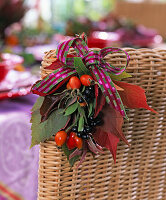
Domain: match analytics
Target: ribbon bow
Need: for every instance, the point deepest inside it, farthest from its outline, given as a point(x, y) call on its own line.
point(94, 63)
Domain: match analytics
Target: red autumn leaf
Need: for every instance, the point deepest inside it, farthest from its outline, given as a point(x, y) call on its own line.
point(57, 63)
point(100, 99)
point(107, 140)
point(100, 102)
point(133, 96)
point(110, 132)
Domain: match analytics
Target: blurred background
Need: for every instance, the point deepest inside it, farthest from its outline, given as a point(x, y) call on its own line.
point(28, 28)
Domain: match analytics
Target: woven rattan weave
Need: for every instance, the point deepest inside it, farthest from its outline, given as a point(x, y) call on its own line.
point(140, 170)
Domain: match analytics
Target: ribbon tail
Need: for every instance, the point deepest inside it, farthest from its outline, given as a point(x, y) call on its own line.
point(50, 82)
point(108, 89)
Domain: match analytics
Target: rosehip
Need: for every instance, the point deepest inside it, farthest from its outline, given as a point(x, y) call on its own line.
point(60, 138)
point(86, 80)
point(68, 86)
point(71, 142)
point(78, 142)
point(75, 82)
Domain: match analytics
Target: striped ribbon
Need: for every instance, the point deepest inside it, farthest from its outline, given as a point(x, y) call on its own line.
point(94, 60)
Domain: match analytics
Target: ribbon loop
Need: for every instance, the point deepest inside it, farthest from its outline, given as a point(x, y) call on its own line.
point(78, 44)
point(93, 60)
point(113, 69)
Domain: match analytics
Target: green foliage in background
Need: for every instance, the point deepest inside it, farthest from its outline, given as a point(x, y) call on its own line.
point(68, 9)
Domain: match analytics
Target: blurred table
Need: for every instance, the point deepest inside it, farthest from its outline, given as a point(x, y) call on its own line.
point(18, 164)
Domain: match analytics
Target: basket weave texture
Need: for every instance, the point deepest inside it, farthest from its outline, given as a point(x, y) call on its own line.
point(140, 170)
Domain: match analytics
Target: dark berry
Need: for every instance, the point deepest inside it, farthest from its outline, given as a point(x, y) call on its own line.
point(91, 118)
point(84, 97)
point(74, 129)
point(87, 136)
point(88, 129)
point(88, 100)
point(84, 130)
point(91, 88)
point(87, 92)
point(92, 124)
point(79, 134)
point(80, 100)
point(84, 136)
point(99, 122)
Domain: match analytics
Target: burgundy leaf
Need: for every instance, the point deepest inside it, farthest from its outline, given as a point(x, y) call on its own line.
point(100, 99)
point(92, 146)
point(99, 148)
point(113, 122)
point(110, 132)
point(100, 102)
point(85, 149)
point(76, 152)
point(107, 140)
point(49, 104)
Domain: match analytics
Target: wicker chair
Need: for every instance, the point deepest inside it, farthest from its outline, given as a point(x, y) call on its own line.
point(140, 171)
point(150, 13)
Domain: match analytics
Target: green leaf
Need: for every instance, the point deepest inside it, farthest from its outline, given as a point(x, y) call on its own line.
point(73, 160)
point(70, 101)
point(90, 109)
point(43, 131)
point(83, 89)
point(67, 152)
point(81, 111)
point(76, 118)
point(119, 77)
point(71, 109)
point(80, 67)
point(37, 104)
point(81, 123)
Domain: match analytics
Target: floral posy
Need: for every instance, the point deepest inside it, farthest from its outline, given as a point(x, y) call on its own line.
point(83, 101)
